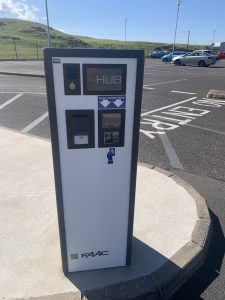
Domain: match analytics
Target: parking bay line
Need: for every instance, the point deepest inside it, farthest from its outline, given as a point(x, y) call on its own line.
point(164, 107)
point(157, 70)
point(35, 123)
point(170, 152)
point(206, 129)
point(10, 100)
point(165, 82)
point(179, 92)
point(148, 88)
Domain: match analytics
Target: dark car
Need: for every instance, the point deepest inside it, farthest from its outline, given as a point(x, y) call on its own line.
point(157, 54)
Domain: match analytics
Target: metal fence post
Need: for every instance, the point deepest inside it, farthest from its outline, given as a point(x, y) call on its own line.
point(37, 49)
point(15, 48)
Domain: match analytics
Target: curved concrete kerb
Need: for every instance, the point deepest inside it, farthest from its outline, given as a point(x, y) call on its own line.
point(171, 232)
point(218, 94)
point(165, 213)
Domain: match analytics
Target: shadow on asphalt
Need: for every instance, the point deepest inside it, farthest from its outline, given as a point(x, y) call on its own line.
point(197, 284)
point(217, 67)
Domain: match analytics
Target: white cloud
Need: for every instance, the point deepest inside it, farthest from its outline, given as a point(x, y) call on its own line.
point(21, 9)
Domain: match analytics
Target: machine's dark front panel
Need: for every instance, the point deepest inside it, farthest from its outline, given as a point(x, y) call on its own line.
point(80, 129)
point(111, 128)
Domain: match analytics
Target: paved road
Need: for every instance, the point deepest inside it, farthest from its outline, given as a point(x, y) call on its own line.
point(180, 131)
point(26, 67)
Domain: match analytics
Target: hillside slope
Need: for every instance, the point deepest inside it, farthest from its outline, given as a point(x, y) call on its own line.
point(26, 40)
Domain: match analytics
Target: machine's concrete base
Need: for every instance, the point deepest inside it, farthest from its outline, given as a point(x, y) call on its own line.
point(171, 232)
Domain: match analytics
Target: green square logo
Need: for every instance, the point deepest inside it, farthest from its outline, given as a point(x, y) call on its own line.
point(74, 256)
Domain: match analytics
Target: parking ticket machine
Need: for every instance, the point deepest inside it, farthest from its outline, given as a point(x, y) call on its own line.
point(94, 99)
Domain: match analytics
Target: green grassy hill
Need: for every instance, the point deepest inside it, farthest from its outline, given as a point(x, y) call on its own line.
point(26, 40)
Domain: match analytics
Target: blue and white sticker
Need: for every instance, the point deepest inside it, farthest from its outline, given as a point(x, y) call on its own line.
point(111, 153)
point(111, 102)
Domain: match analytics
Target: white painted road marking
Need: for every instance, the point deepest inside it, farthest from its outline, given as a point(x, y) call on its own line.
point(206, 129)
point(157, 70)
point(180, 115)
point(148, 88)
point(35, 123)
point(170, 152)
point(149, 133)
point(179, 92)
point(164, 107)
point(165, 82)
point(10, 100)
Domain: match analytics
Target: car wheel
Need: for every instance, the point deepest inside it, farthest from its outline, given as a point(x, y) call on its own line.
point(164, 60)
point(202, 63)
point(177, 62)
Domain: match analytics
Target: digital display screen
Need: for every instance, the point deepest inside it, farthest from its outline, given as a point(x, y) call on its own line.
point(104, 79)
point(111, 120)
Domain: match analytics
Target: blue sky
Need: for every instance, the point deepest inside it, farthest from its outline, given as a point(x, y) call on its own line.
point(147, 20)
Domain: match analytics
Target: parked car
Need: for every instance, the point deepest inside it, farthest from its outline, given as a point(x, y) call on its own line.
point(157, 54)
point(220, 55)
point(168, 57)
point(195, 59)
point(204, 51)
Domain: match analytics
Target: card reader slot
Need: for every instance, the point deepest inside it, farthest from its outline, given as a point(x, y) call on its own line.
point(80, 129)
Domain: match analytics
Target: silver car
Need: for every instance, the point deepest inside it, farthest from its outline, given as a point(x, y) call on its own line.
point(195, 59)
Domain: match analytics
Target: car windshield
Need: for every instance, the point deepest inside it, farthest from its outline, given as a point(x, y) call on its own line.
point(205, 54)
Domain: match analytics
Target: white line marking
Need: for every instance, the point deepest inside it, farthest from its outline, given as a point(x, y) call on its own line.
point(35, 123)
point(10, 101)
point(180, 122)
point(206, 129)
point(148, 88)
point(150, 73)
point(170, 152)
point(171, 105)
point(179, 92)
point(165, 82)
point(157, 70)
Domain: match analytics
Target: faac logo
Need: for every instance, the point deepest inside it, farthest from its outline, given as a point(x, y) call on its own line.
point(93, 254)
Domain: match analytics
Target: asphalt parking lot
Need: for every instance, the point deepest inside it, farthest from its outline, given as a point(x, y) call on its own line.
point(191, 128)
point(181, 131)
